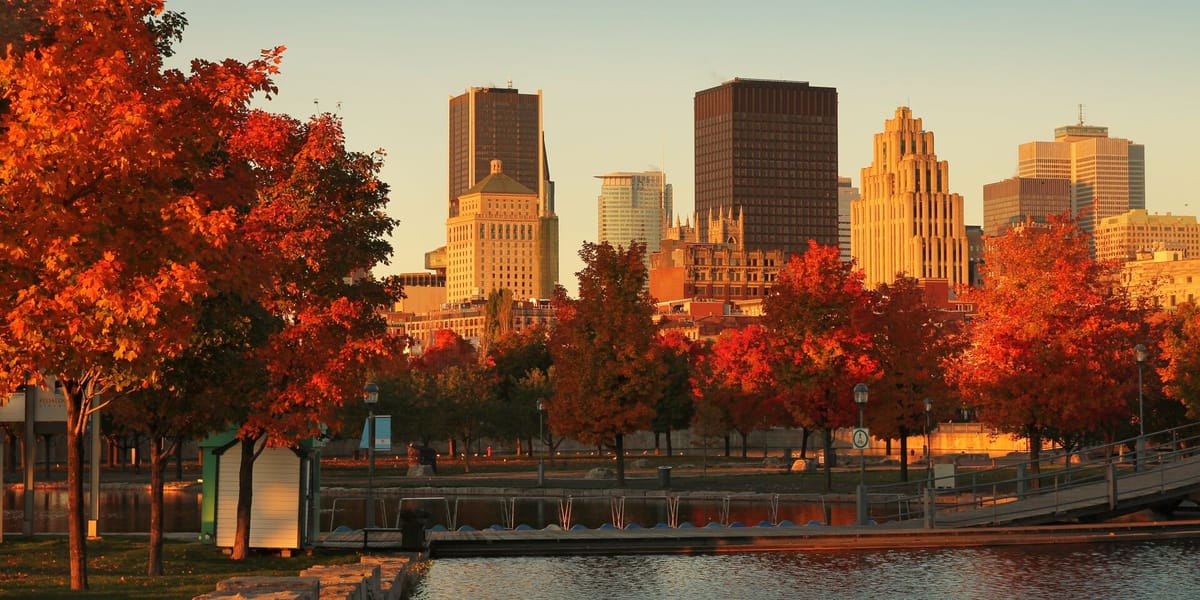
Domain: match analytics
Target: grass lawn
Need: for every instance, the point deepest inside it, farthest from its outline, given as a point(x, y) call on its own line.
point(38, 568)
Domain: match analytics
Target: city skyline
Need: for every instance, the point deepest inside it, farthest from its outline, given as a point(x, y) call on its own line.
point(626, 71)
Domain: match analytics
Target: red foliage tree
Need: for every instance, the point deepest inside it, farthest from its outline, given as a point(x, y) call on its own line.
point(910, 341)
point(109, 230)
point(817, 314)
point(736, 375)
point(676, 405)
point(606, 383)
point(1048, 353)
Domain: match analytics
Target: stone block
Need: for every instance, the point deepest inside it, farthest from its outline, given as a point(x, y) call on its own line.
point(601, 473)
point(310, 586)
point(364, 576)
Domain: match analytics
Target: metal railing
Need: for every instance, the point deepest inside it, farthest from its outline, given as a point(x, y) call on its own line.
point(1093, 479)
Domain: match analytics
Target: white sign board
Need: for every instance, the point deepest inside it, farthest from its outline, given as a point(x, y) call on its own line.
point(861, 438)
point(51, 408)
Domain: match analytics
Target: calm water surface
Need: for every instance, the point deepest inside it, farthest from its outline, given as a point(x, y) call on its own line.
point(1090, 572)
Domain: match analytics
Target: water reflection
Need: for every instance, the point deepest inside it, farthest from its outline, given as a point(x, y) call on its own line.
point(122, 510)
point(1138, 570)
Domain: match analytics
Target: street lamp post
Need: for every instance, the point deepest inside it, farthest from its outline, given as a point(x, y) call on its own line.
point(1140, 353)
point(928, 447)
point(541, 454)
point(860, 398)
point(370, 398)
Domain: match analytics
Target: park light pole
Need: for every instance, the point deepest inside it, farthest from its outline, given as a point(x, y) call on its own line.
point(928, 446)
point(541, 481)
point(1140, 353)
point(860, 398)
point(371, 396)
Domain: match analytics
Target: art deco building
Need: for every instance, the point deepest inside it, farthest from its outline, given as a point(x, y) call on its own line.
point(495, 241)
point(768, 150)
point(847, 194)
point(1107, 175)
point(1019, 199)
point(634, 207)
point(907, 220)
point(1122, 236)
point(503, 124)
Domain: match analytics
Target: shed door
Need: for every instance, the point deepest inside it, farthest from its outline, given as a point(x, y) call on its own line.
point(275, 516)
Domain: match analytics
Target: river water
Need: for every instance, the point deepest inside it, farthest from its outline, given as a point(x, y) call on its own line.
point(1092, 571)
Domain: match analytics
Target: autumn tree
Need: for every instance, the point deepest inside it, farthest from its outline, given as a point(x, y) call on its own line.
point(910, 341)
point(736, 375)
point(1048, 351)
point(515, 358)
point(109, 229)
point(1177, 363)
point(314, 227)
point(817, 315)
point(606, 383)
point(676, 404)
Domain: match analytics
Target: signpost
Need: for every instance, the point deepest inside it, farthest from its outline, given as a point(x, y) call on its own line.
point(861, 438)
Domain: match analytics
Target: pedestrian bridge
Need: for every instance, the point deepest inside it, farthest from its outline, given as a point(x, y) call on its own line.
point(1094, 484)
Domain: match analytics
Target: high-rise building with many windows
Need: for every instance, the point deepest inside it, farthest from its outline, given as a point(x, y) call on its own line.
point(907, 221)
point(768, 150)
point(1020, 199)
point(847, 194)
point(488, 124)
point(633, 207)
point(1107, 175)
point(494, 241)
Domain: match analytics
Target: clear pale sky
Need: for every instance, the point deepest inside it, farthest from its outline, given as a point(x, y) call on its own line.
point(618, 78)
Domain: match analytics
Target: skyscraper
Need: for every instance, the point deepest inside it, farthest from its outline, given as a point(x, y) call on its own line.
point(503, 124)
point(1107, 175)
point(494, 241)
point(634, 206)
point(907, 220)
point(1018, 199)
point(768, 151)
point(847, 194)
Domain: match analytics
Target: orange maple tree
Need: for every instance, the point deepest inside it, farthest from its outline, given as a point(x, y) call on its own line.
point(602, 345)
point(910, 341)
point(1049, 350)
point(817, 314)
point(108, 231)
point(736, 376)
point(314, 227)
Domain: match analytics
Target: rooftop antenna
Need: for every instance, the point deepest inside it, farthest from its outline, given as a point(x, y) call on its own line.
point(317, 103)
point(338, 108)
point(510, 84)
point(1081, 115)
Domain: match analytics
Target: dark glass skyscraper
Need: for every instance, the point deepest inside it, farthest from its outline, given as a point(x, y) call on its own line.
point(489, 124)
point(769, 149)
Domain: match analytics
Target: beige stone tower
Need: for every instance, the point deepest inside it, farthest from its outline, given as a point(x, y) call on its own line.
point(907, 221)
point(496, 241)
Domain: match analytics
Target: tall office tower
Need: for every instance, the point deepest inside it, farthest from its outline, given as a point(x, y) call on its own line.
point(907, 220)
point(847, 194)
point(1121, 237)
point(502, 124)
point(975, 249)
point(1019, 199)
point(1108, 175)
point(769, 150)
point(634, 206)
point(494, 241)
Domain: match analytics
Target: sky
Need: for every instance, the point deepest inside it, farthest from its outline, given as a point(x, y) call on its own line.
point(618, 79)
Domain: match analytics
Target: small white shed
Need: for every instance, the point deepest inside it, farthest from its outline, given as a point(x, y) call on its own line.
point(286, 484)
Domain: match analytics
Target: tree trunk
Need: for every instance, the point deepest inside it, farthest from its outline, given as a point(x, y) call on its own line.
point(466, 455)
point(73, 391)
point(158, 461)
point(620, 448)
point(903, 454)
point(241, 536)
point(727, 445)
point(1035, 453)
point(804, 433)
point(179, 459)
point(669, 449)
point(828, 455)
point(745, 436)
